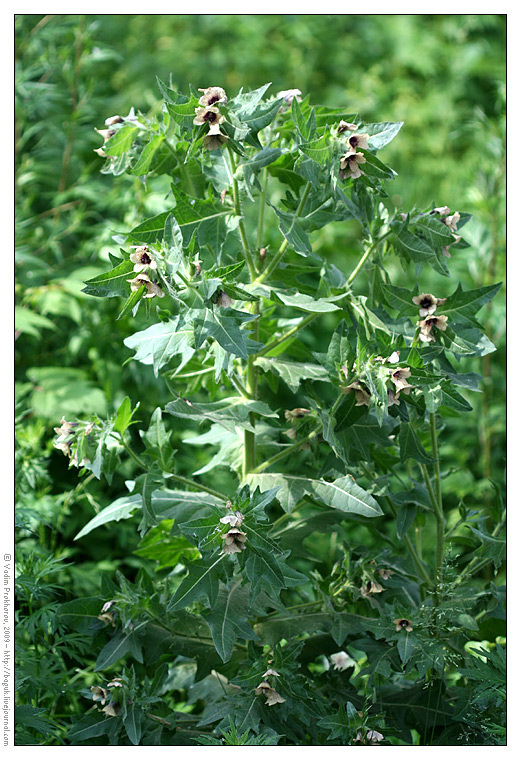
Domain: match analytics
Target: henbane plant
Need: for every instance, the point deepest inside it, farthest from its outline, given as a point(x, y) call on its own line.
point(328, 448)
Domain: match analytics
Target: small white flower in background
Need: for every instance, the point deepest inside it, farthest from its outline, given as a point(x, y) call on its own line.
point(99, 694)
point(441, 210)
point(273, 697)
point(115, 683)
point(343, 126)
point(452, 221)
point(395, 357)
point(270, 672)
point(371, 737)
point(112, 710)
point(234, 521)
point(113, 120)
point(106, 607)
point(342, 661)
point(288, 95)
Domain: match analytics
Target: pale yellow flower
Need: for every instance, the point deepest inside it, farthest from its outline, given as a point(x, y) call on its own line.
point(234, 541)
point(402, 624)
point(349, 165)
point(427, 303)
point(141, 258)
point(208, 115)
point(151, 287)
point(212, 95)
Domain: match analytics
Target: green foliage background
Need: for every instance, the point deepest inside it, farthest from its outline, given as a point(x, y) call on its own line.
point(444, 76)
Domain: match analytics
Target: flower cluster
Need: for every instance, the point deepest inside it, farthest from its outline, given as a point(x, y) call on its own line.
point(371, 737)
point(451, 220)
point(208, 113)
point(103, 695)
point(428, 305)
point(234, 539)
point(265, 688)
point(397, 378)
point(351, 160)
point(67, 439)
point(107, 133)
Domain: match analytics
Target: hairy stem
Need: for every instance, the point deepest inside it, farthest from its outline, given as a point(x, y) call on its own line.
point(440, 519)
point(238, 211)
point(280, 253)
point(285, 336)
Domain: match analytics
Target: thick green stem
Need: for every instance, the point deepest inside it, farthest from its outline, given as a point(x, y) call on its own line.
point(262, 207)
point(440, 519)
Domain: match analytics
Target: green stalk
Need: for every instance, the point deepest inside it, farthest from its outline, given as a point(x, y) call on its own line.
point(179, 478)
point(262, 206)
point(280, 253)
point(285, 452)
point(410, 547)
point(238, 211)
point(365, 257)
point(440, 519)
point(277, 341)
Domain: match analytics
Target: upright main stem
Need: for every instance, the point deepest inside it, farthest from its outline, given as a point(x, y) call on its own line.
point(438, 503)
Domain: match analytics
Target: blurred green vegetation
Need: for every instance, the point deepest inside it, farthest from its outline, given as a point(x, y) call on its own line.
point(442, 75)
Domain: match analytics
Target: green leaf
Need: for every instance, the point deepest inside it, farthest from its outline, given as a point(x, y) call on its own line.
point(160, 342)
point(80, 614)
point(405, 518)
point(224, 325)
point(415, 248)
point(469, 302)
point(319, 150)
point(132, 301)
point(381, 134)
point(343, 493)
point(400, 299)
point(142, 165)
point(151, 229)
point(121, 644)
point(292, 230)
point(28, 322)
point(121, 141)
point(211, 221)
point(437, 233)
point(411, 446)
point(201, 581)
point(121, 509)
point(90, 727)
point(292, 372)
point(493, 547)
point(307, 303)
point(113, 283)
point(262, 116)
point(147, 483)
point(406, 646)
point(157, 442)
point(124, 415)
point(227, 620)
point(132, 723)
point(229, 412)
